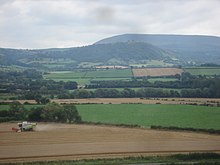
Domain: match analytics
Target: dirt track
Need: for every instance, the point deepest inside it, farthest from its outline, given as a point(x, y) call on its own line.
point(63, 141)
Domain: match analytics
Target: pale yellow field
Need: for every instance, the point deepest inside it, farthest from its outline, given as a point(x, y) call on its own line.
point(53, 141)
point(155, 72)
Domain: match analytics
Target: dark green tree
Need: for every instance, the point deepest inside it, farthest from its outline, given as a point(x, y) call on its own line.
point(72, 114)
point(35, 114)
point(18, 111)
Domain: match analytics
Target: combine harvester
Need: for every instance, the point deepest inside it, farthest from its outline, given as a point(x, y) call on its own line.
point(25, 126)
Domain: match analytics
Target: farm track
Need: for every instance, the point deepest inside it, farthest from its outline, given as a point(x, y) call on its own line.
point(66, 142)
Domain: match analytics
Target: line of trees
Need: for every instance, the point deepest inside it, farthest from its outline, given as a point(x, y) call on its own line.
point(51, 112)
point(30, 84)
point(142, 92)
point(114, 93)
point(186, 80)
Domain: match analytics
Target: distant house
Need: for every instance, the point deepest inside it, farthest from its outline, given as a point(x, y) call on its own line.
point(111, 67)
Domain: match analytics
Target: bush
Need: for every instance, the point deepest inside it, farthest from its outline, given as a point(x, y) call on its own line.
point(52, 112)
point(197, 156)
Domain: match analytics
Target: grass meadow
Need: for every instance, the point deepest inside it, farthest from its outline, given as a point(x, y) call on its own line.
point(203, 71)
point(83, 77)
point(184, 116)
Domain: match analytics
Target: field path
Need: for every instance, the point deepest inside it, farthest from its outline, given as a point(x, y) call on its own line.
point(66, 141)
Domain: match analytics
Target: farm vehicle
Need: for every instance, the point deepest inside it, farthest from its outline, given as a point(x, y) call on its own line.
point(25, 126)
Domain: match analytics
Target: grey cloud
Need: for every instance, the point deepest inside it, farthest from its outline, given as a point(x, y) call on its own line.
point(60, 23)
point(104, 14)
point(3, 2)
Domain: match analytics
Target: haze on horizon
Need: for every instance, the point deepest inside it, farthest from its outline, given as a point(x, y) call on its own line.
point(66, 23)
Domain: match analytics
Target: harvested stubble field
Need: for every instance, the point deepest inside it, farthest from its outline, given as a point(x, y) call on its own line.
point(66, 141)
point(199, 101)
point(156, 72)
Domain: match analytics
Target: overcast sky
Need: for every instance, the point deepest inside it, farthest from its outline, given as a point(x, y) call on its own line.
point(71, 23)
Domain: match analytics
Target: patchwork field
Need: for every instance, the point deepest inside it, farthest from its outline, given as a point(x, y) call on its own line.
point(85, 76)
point(53, 141)
point(156, 72)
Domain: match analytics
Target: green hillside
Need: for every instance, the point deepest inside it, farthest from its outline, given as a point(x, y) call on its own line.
point(188, 48)
point(113, 54)
point(128, 49)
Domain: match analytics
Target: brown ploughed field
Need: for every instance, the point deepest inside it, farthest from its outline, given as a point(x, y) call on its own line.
point(154, 72)
point(53, 141)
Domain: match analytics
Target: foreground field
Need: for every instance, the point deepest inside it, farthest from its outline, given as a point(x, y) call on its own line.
point(183, 116)
point(164, 112)
point(65, 142)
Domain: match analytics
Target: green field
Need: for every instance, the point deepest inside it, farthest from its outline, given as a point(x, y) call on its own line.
point(184, 116)
point(83, 77)
point(110, 73)
point(203, 71)
point(149, 63)
point(5, 96)
point(65, 75)
point(152, 80)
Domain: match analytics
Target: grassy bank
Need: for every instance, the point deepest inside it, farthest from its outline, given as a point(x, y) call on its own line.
point(193, 158)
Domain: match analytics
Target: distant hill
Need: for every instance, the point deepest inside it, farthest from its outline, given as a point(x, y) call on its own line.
point(195, 48)
point(127, 49)
point(113, 53)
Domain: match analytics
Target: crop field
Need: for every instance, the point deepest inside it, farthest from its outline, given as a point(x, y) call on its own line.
point(65, 75)
point(203, 71)
point(156, 72)
point(184, 116)
point(83, 77)
point(152, 80)
point(110, 73)
point(149, 63)
point(53, 141)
